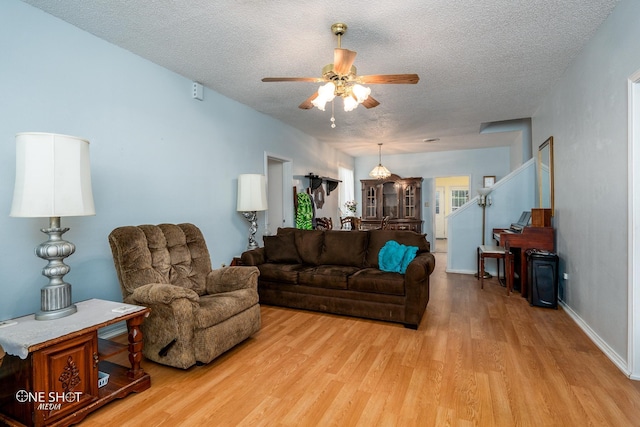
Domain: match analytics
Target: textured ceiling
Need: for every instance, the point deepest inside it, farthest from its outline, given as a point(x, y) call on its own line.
point(478, 61)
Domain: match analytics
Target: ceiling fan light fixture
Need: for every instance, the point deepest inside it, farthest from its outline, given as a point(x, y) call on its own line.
point(350, 103)
point(354, 96)
point(380, 172)
point(342, 76)
point(361, 93)
point(326, 93)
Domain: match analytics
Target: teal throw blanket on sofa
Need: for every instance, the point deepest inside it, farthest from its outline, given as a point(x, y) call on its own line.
point(395, 257)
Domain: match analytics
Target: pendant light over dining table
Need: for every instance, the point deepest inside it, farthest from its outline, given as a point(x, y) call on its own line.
point(380, 172)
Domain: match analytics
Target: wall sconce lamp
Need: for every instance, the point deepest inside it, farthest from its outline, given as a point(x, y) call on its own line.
point(53, 179)
point(252, 197)
point(484, 200)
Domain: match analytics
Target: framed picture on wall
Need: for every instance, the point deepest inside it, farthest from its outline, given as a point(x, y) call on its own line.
point(488, 180)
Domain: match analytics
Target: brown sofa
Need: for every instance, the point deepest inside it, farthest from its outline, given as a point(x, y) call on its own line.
point(338, 272)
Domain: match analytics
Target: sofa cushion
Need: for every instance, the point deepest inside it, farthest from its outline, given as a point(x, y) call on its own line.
point(344, 248)
point(281, 248)
point(282, 273)
point(326, 276)
point(309, 245)
point(376, 281)
point(378, 238)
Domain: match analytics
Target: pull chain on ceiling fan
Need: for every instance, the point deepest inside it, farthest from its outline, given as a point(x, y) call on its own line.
point(341, 79)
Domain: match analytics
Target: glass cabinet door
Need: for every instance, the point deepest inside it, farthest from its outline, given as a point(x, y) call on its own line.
point(389, 200)
point(370, 205)
point(410, 201)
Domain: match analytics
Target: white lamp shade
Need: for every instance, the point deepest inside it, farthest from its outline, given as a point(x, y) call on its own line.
point(326, 93)
point(350, 103)
point(484, 191)
point(53, 176)
point(361, 93)
point(252, 193)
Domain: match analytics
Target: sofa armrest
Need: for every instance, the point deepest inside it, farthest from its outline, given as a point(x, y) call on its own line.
point(416, 281)
point(161, 293)
point(253, 257)
point(421, 266)
point(231, 279)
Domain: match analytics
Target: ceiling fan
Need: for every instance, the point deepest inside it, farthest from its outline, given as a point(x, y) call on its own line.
point(341, 79)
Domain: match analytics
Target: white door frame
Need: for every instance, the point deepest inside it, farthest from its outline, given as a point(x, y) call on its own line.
point(287, 188)
point(633, 345)
point(437, 226)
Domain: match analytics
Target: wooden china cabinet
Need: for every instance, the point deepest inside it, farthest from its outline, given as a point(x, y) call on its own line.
point(393, 197)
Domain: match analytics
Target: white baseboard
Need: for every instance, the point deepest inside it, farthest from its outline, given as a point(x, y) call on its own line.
point(602, 345)
point(461, 271)
point(474, 272)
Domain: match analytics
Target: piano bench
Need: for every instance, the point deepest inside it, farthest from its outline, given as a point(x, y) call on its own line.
point(498, 252)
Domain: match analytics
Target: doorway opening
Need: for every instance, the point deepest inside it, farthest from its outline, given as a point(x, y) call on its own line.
point(451, 192)
point(279, 193)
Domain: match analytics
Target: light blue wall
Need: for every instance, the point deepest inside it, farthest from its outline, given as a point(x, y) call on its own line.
point(586, 112)
point(472, 163)
point(511, 196)
point(157, 155)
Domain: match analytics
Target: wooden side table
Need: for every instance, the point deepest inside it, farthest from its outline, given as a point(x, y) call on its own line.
point(50, 373)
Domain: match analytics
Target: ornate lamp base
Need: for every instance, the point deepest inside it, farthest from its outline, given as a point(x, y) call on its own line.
point(44, 314)
point(55, 297)
point(252, 218)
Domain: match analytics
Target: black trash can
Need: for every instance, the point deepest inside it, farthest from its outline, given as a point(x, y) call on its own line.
point(543, 278)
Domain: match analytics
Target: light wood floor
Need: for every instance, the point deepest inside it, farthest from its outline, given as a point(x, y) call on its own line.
point(479, 358)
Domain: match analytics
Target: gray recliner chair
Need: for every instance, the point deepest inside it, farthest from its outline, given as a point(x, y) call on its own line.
point(196, 313)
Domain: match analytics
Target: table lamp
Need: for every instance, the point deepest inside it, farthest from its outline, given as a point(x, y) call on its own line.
point(252, 197)
point(53, 180)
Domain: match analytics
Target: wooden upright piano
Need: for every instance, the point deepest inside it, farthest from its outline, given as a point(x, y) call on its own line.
point(519, 243)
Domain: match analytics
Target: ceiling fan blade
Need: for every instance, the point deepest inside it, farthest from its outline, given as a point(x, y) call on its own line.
point(390, 79)
point(291, 79)
point(370, 102)
point(307, 105)
point(343, 60)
